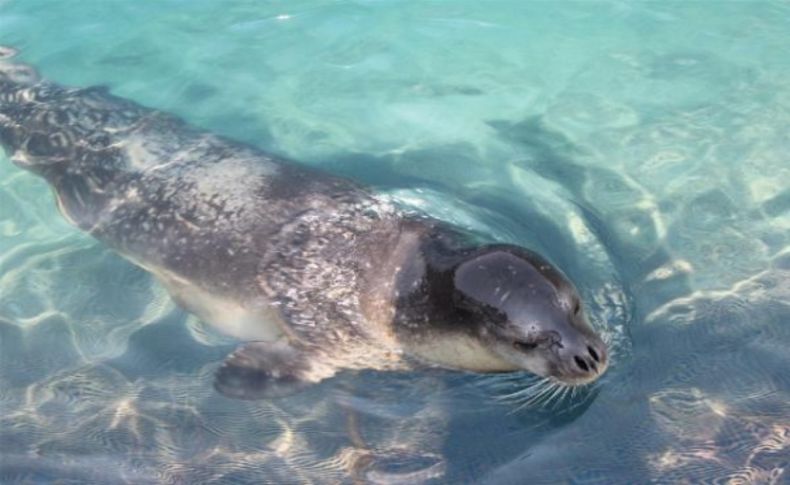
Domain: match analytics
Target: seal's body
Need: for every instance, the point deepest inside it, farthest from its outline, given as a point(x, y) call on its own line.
point(314, 271)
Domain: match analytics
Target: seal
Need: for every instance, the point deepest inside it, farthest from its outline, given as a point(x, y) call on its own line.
point(314, 273)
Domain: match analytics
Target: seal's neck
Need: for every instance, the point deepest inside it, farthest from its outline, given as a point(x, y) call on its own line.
point(426, 319)
point(424, 285)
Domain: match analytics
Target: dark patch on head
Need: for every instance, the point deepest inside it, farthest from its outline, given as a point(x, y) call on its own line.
point(499, 268)
point(455, 285)
point(493, 284)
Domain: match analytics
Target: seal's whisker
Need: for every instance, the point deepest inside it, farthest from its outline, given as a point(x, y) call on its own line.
point(522, 392)
point(527, 403)
point(542, 388)
point(540, 399)
point(507, 385)
point(513, 388)
point(556, 396)
point(566, 393)
point(547, 395)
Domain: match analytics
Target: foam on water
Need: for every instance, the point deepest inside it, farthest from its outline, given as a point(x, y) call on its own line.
point(640, 146)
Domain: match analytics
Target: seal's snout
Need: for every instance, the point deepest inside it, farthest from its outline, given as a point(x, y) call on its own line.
point(590, 361)
point(582, 361)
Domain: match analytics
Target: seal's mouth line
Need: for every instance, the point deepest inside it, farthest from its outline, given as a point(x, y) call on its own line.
point(579, 381)
point(576, 382)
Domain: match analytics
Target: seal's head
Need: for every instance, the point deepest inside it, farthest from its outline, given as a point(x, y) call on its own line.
point(529, 314)
point(497, 308)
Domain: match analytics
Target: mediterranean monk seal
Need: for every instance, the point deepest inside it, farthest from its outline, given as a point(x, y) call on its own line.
point(313, 272)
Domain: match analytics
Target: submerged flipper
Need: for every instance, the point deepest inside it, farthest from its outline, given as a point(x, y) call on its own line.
point(260, 370)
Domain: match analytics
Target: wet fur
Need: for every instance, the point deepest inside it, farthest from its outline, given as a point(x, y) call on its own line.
point(316, 271)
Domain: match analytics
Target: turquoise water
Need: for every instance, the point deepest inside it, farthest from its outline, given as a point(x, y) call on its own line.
point(643, 147)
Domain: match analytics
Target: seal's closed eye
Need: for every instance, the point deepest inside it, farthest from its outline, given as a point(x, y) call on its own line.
point(525, 346)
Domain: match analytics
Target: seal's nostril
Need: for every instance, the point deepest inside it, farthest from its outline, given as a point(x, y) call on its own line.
point(581, 363)
point(593, 353)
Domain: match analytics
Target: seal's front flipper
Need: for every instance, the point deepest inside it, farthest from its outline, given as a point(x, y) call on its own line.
point(260, 370)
